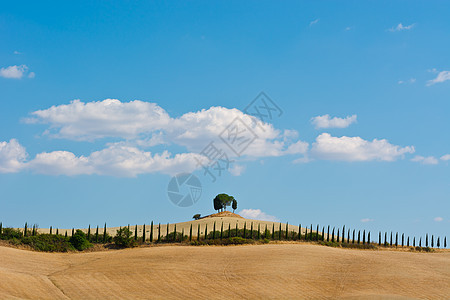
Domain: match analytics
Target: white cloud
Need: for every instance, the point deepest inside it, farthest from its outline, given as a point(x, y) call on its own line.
point(326, 122)
point(14, 72)
point(237, 170)
point(445, 157)
point(348, 28)
point(257, 214)
point(148, 123)
point(31, 75)
point(367, 220)
point(356, 149)
point(401, 27)
point(116, 160)
point(17, 52)
point(430, 160)
point(438, 219)
point(410, 81)
point(314, 22)
point(12, 156)
point(441, 77)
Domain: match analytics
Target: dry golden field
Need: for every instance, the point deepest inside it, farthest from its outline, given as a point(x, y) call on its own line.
point(271, 271)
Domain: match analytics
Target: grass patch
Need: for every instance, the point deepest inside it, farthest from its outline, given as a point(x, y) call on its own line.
point(48, 243)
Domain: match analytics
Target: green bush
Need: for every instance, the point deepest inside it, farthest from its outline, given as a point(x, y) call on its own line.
point(124, 238)
point(79, 240)
point(48, 243)
point(11, 233)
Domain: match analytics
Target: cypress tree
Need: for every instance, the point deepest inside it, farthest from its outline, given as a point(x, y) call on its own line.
point(190, 233)
point(229, 230)
point(88, 235)
point(221, 231)
point(73, 231)
point(343, 234)
point(25, 230)
point(403, 239)
point(273, 231)
point(159, 232)
point(175, 232)
point(328, 233)
point(198, 232)
point(1, 228)
point(279, 233)
point(407, 242)
point(245, 229)
point(182, 235)
point(414, 242)
point(259, 231)
point(251, 231)
point(359, 236)
point(104, 234)
point(426, 240)
point(445, 242)
point(306, 233)
point(57, 231)
point(265, 232)
point(135, 233)
point(237, 229)
point(299, 232)
point(385, 239)
point(368, 238)
point(353, 239)
point(337, 236)
point(364, 237)
point(287, 232)
point(332, 236)
point(391, 240)
point(65, 234)
point(379, 238)
point(167, 232)
point(310, 233)
point(128, 227)
point(143, 233)
point(206, 231)
point(317, 232)
point(96, 235)
point(151, 232)
point(432, 241)
point(214, 231)
point(438, 244)
point(323, 233)
point(51, 229)
point(33, 233)
point(420, 242)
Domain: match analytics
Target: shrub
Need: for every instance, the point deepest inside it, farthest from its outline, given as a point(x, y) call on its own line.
point(11, 233)
point(124, 238)
point(48, 243)
point(79, 240)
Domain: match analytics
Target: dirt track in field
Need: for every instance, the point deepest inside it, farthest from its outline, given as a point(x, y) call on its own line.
point(277, 271)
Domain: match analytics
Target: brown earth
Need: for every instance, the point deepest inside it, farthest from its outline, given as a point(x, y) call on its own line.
point(273, 271)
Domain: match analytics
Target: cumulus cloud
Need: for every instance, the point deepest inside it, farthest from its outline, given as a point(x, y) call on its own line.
point(326, 122)
point(237, 170)
point(147, 122)
point(410, 81)
point(441, 77)
point(116, 160)
point(14, 72)
point(12, 156)
point(314, 22)
point(356, 149)
point(438, 219)
point(257, 214)
point(401, 27)
point(429, 160)
point(367, 220)
point(445, 157)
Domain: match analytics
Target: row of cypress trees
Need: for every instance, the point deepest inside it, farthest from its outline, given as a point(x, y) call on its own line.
point(309, 235)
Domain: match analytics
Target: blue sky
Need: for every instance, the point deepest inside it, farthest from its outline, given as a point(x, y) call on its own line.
point(362, 141)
